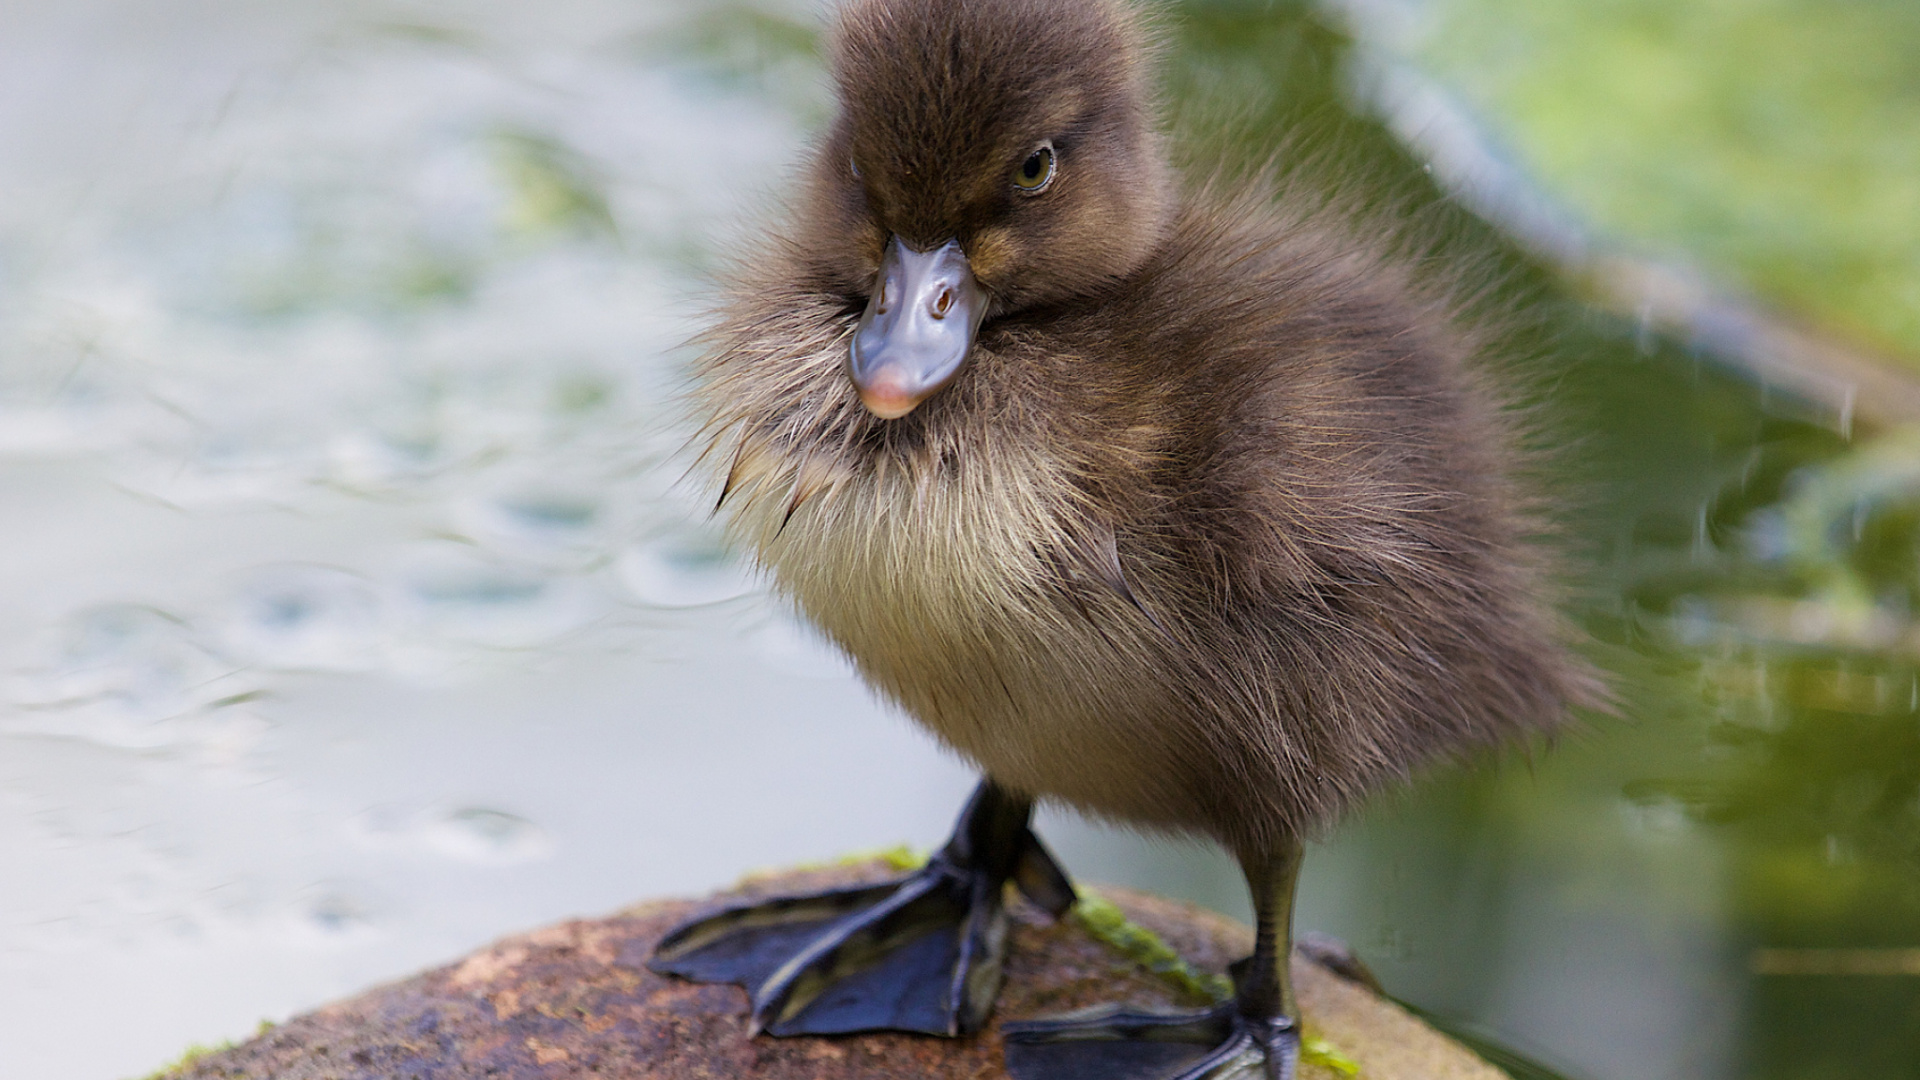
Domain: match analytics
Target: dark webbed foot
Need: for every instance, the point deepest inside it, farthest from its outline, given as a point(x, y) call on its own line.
point(1112, 1044)
point(1256, 1036)
point(921, 953)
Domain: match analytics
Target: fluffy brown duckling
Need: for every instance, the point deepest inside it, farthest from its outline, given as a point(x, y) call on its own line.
point(1183, 508)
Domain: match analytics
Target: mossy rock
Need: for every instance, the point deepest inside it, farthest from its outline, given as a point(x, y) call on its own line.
point(576, 1000)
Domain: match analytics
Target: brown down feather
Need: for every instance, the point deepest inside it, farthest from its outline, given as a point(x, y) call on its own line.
point(1215, 533)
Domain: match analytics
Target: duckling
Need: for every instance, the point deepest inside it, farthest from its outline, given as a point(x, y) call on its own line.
point(1186, 507)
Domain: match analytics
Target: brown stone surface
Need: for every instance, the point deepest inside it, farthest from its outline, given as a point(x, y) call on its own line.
point(576, 1000)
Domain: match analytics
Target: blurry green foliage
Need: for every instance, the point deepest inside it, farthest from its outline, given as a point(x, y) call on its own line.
point(1776, 142)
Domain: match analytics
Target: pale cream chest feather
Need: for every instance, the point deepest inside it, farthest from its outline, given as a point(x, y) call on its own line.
point(945, 586)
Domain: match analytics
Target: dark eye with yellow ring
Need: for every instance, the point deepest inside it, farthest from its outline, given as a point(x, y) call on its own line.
point(1035, 173)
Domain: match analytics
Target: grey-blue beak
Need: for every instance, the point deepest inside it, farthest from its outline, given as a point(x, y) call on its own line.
point(918, 328)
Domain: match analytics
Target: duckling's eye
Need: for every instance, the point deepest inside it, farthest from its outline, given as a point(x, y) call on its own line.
point(1035, 173)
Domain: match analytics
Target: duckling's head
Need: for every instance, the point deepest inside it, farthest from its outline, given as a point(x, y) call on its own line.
point(989, 156)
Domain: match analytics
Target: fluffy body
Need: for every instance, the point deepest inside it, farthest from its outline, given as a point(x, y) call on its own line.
point(1214, 534)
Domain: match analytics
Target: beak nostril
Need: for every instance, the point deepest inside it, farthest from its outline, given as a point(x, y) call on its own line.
point(943, 303)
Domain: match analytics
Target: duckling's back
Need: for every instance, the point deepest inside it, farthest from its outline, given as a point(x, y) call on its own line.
point(1332, 531)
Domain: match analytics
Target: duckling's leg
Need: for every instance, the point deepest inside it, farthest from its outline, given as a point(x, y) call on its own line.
point(920, 953)
point(1257, 1034)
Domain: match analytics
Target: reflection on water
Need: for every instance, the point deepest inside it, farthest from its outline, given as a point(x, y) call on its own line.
point(358, 613)
point(683, 568)
point(1797, 622)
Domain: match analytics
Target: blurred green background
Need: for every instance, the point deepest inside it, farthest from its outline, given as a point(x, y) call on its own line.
point(1775, 143)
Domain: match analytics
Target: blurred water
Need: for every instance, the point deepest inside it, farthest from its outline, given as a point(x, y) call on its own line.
point(357, 613)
